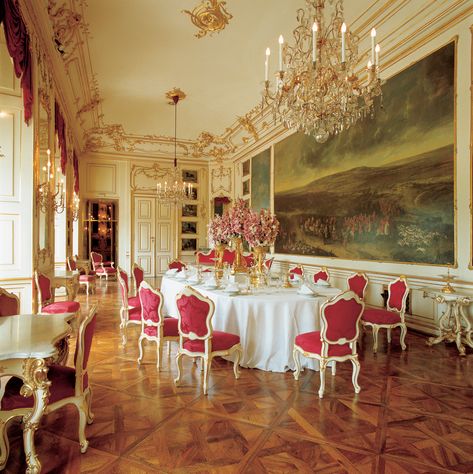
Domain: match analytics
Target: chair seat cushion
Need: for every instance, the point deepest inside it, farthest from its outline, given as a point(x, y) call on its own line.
point(108, 270)
point(134, 301)
point(380, 316)
point(61, 307)
point(310, 342)
point(134, 314)
point(221, 341)
point(86, 278)
point(63, 380)
point(169, 328)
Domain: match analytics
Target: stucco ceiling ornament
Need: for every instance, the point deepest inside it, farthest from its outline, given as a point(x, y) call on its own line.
point(209, 16)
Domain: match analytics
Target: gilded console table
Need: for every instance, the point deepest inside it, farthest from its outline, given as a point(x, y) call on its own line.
point(454, 324)
point(69, 280)
point(28, 341)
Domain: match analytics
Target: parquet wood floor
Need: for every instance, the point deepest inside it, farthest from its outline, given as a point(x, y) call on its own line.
point(414, 413)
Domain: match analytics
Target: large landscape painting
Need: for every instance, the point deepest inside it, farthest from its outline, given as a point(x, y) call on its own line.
point(384, 189)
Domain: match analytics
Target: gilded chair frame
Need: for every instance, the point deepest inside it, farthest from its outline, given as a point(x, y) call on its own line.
point(358, 275)
point(81, 399)
point(389, 327)
point(99, 267)
point(208, 354)
point(159, 338)
point(133, 268)
point(323, 357)
point(125, 308)
point(322, 270)
point(89, 284)
point(199, 253)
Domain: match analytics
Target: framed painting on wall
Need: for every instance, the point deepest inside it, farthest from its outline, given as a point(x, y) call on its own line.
point(384, 189)
point(189, 210)
point(188, 245)
point(189, 227)
point(189, 176)
point(260, 180)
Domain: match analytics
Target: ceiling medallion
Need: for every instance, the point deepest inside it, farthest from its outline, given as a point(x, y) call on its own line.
point(209, 16)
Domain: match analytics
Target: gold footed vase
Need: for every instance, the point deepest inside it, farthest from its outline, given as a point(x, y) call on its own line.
point(219, 253)
point(239, 265)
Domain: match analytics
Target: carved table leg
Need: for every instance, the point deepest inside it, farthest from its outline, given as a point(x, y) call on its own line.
point(36, 384)
point(444, 326)
point(72, 286)
point(467, 322)
point(458, 329)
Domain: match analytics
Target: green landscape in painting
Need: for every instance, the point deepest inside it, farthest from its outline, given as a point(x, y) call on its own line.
point(260, 180)
point(383, 190)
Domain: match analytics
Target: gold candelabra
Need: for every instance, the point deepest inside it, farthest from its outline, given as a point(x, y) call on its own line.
point(47, 197)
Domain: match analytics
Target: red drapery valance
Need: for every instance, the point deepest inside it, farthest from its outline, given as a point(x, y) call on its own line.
point(18, 44)
point(61, 135)
point(75, 163)
point(221, 200)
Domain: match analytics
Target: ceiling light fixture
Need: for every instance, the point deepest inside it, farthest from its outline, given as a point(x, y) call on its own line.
point(318, 89)
point(177, 190)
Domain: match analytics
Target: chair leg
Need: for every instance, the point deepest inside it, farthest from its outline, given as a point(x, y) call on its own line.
point(334, 368)
point(179, 368)
point(88, 399)
point(81, 408)
point(356, 372)
point(159, 353)
point(296, 356)
point(207, 362)
point(389, 335)
point(236, 364)
point(375, 339)
point(323, 365)
point(403, 336)
point(140, 347)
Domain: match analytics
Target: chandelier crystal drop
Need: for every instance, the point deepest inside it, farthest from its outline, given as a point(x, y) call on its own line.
point(176, 190)
point(321, 87)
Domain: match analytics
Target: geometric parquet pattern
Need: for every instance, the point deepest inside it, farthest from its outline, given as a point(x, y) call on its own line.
point(414, 413)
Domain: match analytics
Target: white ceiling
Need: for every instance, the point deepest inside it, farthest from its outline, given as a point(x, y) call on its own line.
point(141, 49)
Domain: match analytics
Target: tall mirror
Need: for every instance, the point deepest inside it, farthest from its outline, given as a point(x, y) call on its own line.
point(45, 170)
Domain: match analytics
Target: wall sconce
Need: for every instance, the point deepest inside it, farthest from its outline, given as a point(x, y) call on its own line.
point(75, 207)
point(46, 198)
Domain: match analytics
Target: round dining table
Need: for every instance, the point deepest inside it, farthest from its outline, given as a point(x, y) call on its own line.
point(267, 320)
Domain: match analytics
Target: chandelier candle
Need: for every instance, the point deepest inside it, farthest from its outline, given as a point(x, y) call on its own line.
point(281, 42)
point(377, 50)
point(266, 64)
point(373, 41)
point(314, 42)
point(344, 30)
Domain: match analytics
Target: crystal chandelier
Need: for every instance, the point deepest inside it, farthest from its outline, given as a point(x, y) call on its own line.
point(48, 199)
point(177, 190)
point(321, 87)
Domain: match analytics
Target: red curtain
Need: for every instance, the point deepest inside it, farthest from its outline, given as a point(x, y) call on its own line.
point(75, 163)
point(18, 44)
point(61, 135)
point(221, 200)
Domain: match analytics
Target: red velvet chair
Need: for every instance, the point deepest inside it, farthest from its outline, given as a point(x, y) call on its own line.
point(228, 256)
point(205, 258)
point(322, 274)
point(101, 268)
point(154, 326)
point(9, 303)
point(358, 282)
point(249, 259)
point(85, 279)
point(176, 264)
point(391, 317)
point(46, 302)
point(69, 386)
point(138, 276)
point(296, 270)
point(196, 336)
point(130, 311)
point(336, 340)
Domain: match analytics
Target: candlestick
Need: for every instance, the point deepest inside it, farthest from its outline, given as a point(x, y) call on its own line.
point(266, 64)
point(344, 29)
point(281, 42)
point(373, 40)
point(314, 42)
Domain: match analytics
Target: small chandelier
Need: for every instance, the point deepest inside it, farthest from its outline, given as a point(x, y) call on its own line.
point(177, 190)
point(46, 198)
point(318, 89)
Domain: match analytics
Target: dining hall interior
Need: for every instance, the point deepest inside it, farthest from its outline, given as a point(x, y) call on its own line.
point(236, 236)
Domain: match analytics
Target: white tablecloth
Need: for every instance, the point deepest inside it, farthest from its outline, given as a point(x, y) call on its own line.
point(267, 323)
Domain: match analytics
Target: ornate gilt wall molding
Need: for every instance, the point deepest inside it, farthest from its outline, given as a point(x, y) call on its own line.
point(210, 16)
point(221, 181)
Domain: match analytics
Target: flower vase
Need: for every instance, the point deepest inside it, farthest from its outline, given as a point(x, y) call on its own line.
point(238, 263)
point(219, 253)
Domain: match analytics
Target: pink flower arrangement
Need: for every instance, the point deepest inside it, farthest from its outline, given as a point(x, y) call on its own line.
point(218, 230)
point(261, 228)
point(237, 215)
